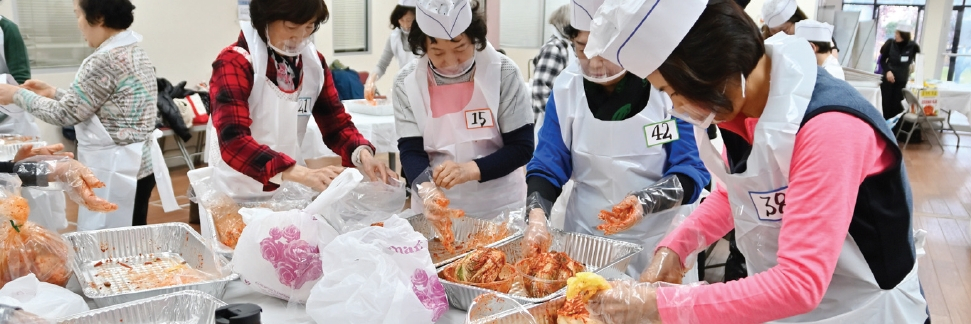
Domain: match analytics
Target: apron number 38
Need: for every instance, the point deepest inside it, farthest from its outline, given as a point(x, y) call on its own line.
point(770, 205)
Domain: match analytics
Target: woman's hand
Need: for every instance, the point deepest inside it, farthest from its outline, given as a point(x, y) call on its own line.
point(450, 174)
point(40, 88)
point(28, 151)
point(6, 93)
point(665, 267)
point(375, 169)
point(317, 179)
point(890, 77)
point(369, 89)
point(78, 181)
point(626, 302)
point(537, 238)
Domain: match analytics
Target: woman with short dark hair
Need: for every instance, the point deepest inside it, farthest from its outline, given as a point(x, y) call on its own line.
point(112, 104)
point(811, 178)
point(463, 109)
point(397, 47)
point(781, 16)
point(268, 89)
point(897, 55)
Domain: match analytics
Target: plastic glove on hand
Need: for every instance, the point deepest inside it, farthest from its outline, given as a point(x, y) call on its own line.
point(665, 267)
point(626, 302)
point(78, 181)
point(621, 217)
point(437, 212)
point(369, 89)
point(537, 238)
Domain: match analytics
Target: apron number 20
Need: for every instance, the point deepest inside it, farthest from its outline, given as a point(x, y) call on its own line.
point(770, 205)
point(479, 118)
point(661, 133)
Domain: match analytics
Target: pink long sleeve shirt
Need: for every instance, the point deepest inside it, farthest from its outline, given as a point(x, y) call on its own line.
point(825, 175)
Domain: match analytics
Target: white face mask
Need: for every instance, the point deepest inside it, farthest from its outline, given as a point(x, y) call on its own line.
point(693, 113)
point(454, 71)
point(605, 79)
point(605, 72)
point(290, 47)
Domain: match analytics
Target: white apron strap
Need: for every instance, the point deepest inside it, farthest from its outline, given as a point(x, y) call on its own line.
point(162, 178)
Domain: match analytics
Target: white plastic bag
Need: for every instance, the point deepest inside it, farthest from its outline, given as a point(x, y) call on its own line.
point(378, 275)
point(49, 301)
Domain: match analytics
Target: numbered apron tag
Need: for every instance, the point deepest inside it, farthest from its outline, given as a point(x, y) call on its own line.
point(661, 133)
point(479, 118)
point(771, 204)
point(303, 107)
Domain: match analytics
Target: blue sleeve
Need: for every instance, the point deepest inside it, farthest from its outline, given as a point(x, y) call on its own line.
point(414, 159)
point(552, 160)
point(683, 159)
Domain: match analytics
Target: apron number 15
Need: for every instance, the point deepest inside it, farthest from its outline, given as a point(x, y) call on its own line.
point(479, 118)
point(770, 205)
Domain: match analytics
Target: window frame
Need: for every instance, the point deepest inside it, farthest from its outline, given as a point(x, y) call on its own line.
point(367, 32)
point(31, 53)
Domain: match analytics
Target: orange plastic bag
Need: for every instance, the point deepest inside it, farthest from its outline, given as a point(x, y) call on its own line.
point(26, 247)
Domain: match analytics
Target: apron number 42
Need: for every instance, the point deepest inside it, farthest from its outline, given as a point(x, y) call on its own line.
point(770, 205)
point(661, 133)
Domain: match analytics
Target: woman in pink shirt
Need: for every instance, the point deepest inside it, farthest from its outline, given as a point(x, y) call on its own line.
point(814, 183)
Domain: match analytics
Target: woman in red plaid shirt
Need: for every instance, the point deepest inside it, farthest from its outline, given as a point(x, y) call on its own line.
point(264, 90)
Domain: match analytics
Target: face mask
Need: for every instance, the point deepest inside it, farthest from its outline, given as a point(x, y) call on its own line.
point(454, 71)
point(604, 73)
point(290, 47)
point(606, 79)
point(697, 115)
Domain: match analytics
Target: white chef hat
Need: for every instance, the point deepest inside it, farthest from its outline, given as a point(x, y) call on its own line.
point(641, 36)
point(406, 3)
point(777, 12)
point(814, 31)
point(905, 27)
point(582, 12)
point(445, 19)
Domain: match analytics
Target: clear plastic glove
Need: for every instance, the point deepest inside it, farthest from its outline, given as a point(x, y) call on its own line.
point(375, 169)
point(70, 175)
point(370, 89)
point(436, 209)
point(626, 302)
point(662, 195)
point(665, 267)
point(28, 151)
point(537, 238)
point(450, 174)
point(316, 179)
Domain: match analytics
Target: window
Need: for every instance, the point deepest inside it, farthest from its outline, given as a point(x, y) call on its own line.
point(351, 26)
point(51, 34)
point(888, 14)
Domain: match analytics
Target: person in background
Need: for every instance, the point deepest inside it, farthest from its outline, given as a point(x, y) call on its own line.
point(462, 109)
point(596, 120)
point(896, 57)
point(266, 88)
point(781, 16)
point(15, 60)
point(820, 36)
point(824, 218)
point(553, 58)
point(112, 102)
point(397, 46)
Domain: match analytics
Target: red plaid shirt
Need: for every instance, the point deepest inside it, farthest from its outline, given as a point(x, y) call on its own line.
point(230, 87)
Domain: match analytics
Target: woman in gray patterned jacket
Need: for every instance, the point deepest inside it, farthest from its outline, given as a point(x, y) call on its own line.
point(112, 103)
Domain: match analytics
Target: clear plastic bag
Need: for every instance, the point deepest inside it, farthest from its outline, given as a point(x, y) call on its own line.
point(366, 204)
point(25, 247)
point(49, 301)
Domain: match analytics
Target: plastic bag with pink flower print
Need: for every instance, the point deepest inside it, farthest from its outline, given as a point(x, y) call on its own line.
point(378, 275)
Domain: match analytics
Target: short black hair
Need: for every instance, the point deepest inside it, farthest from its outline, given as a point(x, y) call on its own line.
point(823, 47)
point(398, 12)
point(476, 33)
point(905, 36)
point(798, 16)
point(722, 45)
point(570, 33)
point(114, 14)
point(264, 12)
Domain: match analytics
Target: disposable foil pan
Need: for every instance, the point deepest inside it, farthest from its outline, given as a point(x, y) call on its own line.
point(172, 242)
point(597, 254)
point(470, 233)
point(184, 307)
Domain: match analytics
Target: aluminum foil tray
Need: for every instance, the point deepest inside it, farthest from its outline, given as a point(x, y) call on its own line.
point(147, 251)
point(470, 233)
point(184, 307)
point(596, 253)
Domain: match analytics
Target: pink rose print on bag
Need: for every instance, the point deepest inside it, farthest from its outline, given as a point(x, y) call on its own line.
point(296, 261)
point(430, 292)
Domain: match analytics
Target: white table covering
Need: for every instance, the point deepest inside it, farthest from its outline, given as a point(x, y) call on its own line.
point(952, 96)
point(380, 130)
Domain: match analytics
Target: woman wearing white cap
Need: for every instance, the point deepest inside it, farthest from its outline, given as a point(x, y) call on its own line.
point(897, 55)
point(814, 183)
point(781, 16)
point(819, 35)
point(397, 46)
point(463, 109)
point(611, 133)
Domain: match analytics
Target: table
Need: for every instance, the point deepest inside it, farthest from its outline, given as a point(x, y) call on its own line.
point(870, 91)
point(952, 96)
point(380, 130)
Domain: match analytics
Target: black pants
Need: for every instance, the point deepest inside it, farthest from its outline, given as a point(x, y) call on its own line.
point(892, 94)
point(143, 193)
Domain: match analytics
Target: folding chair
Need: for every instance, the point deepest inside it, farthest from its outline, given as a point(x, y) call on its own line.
point(920, 118)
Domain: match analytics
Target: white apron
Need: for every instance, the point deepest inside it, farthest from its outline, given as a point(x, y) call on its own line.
point(853, 295)
point(312, 146)
point(449, 137)
point(401, 55)
point(832, 65)
point(610, 160)
point(116, 165)
point(280, 119)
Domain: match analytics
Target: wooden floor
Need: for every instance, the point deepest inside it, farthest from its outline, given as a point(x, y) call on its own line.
point(941, 182)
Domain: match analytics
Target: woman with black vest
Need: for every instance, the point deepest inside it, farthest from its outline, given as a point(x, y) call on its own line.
point(896, 57)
